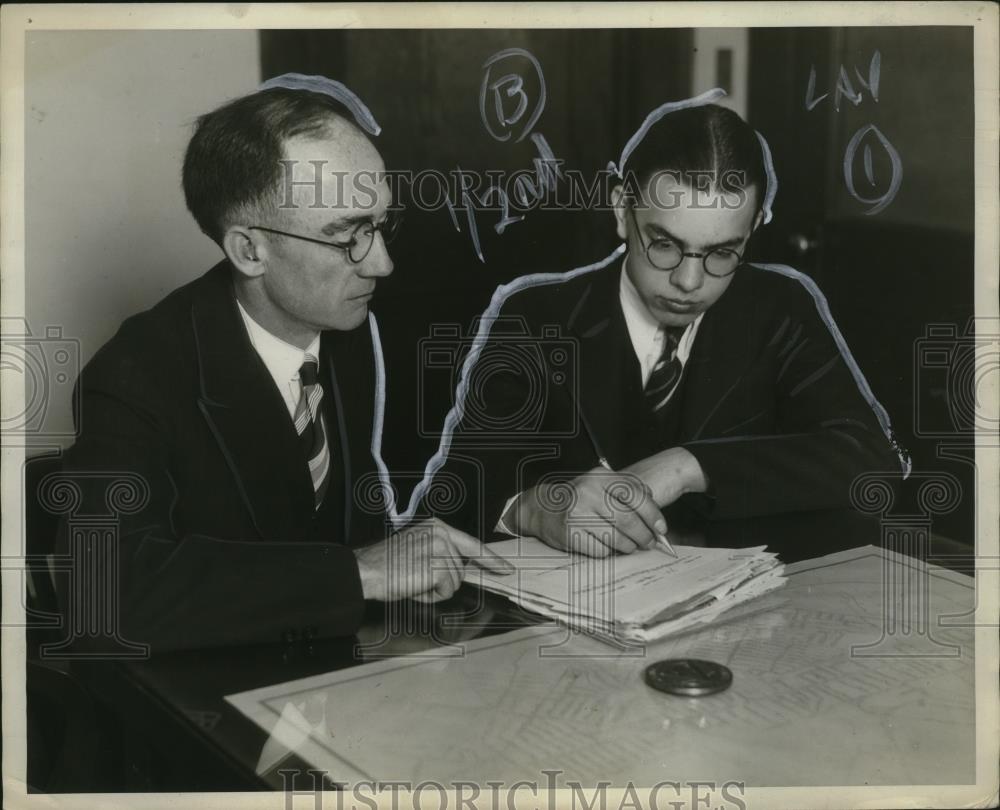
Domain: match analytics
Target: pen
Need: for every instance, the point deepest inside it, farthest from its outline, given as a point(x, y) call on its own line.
point(661, 539)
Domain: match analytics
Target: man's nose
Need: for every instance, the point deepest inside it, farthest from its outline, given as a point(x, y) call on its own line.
point(689, 275)
point(378, 262)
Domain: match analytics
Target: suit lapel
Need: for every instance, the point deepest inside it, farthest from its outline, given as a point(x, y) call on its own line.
point(347, 377)
point(718, 359)
point(247, 414)
point(349, 357)
point(609, 371)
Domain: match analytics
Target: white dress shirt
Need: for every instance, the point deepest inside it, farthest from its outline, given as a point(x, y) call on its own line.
point(647, 339)
point(282, 359)
point(646, 333)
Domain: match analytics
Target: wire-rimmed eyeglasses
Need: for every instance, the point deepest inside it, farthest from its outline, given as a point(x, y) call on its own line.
point(666, 254)
point(362, 237)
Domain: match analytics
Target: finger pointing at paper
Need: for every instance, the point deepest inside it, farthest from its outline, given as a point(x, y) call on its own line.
point(425, 561)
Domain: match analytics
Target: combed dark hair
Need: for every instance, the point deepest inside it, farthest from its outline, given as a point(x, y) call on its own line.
point(706, 138)
point(232, 161)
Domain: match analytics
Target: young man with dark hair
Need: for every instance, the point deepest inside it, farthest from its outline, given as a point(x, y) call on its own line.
point(696, 376)
point(240, 408)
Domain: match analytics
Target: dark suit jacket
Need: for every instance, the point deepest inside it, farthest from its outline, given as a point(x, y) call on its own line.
point(766, 403)
point(228, 548)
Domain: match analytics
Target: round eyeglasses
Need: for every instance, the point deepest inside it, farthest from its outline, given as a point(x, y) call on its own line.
point(361, 240)
point(666, 254)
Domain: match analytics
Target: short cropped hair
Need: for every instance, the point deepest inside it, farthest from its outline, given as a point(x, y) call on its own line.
point(231, 166)
point(707, 139)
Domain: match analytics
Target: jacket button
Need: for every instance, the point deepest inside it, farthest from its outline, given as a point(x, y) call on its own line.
point(288, 636)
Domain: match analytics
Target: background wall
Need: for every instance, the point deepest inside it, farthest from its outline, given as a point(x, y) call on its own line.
point(108, 115)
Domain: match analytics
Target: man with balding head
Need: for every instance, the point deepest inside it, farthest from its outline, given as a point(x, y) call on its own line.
point(243, 403)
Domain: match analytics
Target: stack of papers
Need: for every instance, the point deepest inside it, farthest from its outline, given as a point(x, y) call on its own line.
point(635, 597)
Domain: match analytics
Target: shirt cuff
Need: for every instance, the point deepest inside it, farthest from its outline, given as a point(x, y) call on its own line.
point(501, 526)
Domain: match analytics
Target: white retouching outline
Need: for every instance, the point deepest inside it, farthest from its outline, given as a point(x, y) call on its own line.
point(671, 106)
point(457, 411)
point(329, 87)
point(504, 291)
point(823, 307)
point(772, 179)
point(708, 97)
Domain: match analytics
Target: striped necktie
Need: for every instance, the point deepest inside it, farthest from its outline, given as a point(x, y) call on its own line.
point(309, 425)
point(667, 372)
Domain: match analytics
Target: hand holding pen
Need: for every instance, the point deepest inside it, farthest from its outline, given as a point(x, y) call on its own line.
point(660, 527)
point(573, 515)
point(596, 514)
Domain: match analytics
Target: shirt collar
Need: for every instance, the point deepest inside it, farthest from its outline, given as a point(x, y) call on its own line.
point(282, 359)
point(643, 328)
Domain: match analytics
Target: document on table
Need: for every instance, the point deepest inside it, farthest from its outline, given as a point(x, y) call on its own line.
point(638, 597)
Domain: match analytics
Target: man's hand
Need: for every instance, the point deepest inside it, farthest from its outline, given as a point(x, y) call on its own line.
point(425, 562)
point(597, 514)
point(670, 474)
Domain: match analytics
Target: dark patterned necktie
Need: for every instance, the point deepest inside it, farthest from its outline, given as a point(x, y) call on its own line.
point(667, 372)
point(309, 425)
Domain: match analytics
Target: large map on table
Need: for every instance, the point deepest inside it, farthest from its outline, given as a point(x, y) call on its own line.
point(858, 672)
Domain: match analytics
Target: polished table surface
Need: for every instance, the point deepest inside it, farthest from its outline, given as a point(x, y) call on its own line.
point(800, 702)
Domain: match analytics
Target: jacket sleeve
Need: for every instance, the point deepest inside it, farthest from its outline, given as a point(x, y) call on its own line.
point(826, 431)
point(154, 585)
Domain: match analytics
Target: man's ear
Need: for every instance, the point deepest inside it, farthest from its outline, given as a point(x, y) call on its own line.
point(618, 206)
point(243, 253)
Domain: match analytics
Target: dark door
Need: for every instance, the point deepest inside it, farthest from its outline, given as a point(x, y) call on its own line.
point(871, 131)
